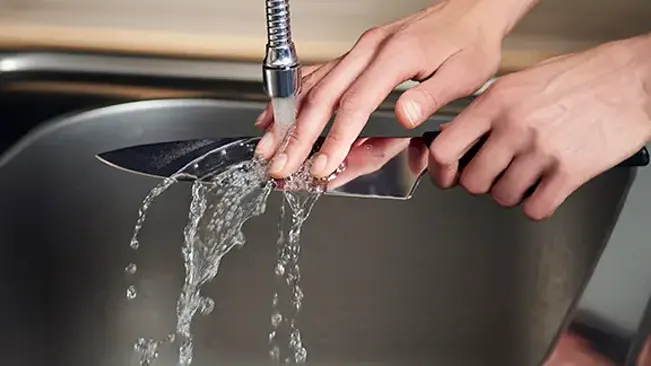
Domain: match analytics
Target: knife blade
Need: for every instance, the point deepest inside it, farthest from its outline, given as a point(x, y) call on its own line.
point(384, 167)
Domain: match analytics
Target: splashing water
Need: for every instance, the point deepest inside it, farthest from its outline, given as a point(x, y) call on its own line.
point(223, 199)
point(217, 213)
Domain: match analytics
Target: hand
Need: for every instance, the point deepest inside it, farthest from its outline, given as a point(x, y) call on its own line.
point(572, 350)
point(562, 122)
point(452, 47)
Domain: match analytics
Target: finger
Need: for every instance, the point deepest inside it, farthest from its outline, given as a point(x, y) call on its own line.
point(492, 159)
point(417, 156)
point(550, 194)
point(454, 141)
point(451, 81)
point(464, 131)
point(355, 107)
point(444, 176)
point(266, 145)
point(319, 104)
point(369, 157)
point(523, 173)
point(264, 119)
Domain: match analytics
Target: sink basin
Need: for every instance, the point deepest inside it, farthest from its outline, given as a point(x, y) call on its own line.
point(442, 279)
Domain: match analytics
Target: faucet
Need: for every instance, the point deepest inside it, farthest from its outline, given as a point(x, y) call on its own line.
point(280, 69)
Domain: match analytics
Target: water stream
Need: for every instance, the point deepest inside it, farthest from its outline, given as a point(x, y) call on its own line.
point(223, 200)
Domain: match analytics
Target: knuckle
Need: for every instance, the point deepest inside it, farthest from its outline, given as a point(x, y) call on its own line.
point(319, 95)
point(295, 137)
point(467, 87)
point(498, 91)
point(372, 36)
point(438, 155)
point(333, 140)
point(403, 41)
point(504, 199)
point(308, 81)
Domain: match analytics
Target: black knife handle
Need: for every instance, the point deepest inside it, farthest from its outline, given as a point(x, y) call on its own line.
point(640, 158)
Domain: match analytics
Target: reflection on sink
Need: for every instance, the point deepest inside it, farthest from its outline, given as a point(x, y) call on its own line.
point(428, 280)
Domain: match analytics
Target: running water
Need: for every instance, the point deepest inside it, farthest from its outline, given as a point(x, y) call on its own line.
point(301, 191)
point(223, 199)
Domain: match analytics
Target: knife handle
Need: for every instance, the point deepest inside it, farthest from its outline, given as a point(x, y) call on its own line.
point(640, 158)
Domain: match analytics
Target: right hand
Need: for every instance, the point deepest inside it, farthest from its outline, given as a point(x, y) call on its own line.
point(573, 350)
point(452, 48)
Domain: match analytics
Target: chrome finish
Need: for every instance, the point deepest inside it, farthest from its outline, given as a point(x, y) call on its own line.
point(111, 65)
point(443, 278)
point(281, 69)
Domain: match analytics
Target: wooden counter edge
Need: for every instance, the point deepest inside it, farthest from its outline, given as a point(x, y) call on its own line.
point(192, 45)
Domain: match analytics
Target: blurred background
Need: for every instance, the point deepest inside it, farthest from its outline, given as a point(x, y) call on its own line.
point(323, 29)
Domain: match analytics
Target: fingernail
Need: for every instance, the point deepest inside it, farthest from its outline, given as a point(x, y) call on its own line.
point(413, 112)
point(261, 117)
point(278, 163)
point(319, 165)
point(264, 145)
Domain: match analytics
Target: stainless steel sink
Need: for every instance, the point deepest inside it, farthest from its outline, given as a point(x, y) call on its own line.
point(441, 279)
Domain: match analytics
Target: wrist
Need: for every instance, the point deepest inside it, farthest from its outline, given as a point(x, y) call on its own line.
point(640, 49)
point(646, 62)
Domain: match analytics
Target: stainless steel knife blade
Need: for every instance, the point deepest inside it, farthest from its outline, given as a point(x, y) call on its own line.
point(384, 167)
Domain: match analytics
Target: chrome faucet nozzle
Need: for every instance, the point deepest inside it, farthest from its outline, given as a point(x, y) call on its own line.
point(281, 69)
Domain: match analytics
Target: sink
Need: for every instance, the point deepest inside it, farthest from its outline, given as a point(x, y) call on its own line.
point(442, 279)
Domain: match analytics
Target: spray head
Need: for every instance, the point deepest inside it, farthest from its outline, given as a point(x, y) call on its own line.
point(281, 70)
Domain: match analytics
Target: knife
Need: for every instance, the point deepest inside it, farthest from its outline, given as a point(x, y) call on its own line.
point(383, 167)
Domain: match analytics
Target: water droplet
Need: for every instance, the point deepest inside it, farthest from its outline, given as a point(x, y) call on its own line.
point(131, 268)
point(300, 355)
point(140, 345)
point(131, 292)
point(274, 353)
point(276, 318)
point(134, 244)
point(280, 269)
point(207, 306)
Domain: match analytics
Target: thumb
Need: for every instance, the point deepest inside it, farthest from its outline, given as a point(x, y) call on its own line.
point(453, 80)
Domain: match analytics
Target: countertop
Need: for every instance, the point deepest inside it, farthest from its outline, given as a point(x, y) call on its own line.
point(322, 29)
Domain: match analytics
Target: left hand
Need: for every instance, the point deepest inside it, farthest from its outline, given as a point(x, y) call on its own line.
point(562, 123)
